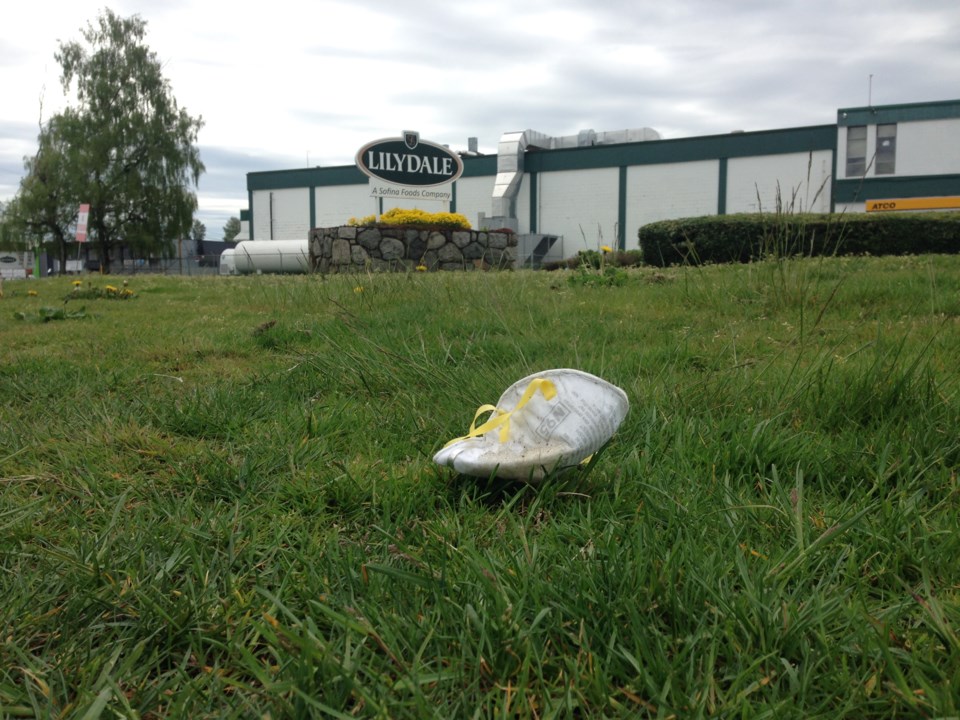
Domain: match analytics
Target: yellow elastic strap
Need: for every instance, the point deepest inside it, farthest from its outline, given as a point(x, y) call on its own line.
point(500, 418)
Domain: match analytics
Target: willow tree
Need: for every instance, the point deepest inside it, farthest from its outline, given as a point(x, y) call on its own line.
point(133, 148)
point(44, 212)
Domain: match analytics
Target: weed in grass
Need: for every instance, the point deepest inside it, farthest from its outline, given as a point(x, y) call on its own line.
point(46, 314)
point(785, 281)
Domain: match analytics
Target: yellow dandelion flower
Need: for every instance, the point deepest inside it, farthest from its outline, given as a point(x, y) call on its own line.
point(358, 289)
point(421, 268)
point(110, 289)
point(606, 248)
point(32, 293)
point(77, 283)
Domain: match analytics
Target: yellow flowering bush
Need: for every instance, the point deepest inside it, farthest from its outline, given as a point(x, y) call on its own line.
point(366, 220)
point(416, 217)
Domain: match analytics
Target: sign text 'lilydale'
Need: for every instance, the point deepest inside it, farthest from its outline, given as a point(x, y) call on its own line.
point(409, 161)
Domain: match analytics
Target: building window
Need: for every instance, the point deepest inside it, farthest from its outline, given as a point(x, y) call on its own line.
point(856, 150)
point(886, 149)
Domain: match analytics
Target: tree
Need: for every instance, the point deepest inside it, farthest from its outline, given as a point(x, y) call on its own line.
point(10, 235)
point(198, 231)
point(231, 229)
point(133, 149)
point(44, 212)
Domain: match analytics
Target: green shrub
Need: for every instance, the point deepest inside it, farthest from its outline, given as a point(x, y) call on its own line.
point(746, 237)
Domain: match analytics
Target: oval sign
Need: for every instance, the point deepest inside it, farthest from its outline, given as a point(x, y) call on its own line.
point(408, 160)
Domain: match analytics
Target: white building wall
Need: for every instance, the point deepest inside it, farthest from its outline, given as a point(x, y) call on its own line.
point(930, 147)
point(845, 208)
point(665, 192)
point(290, 214)
point(260, 214)
point(336, 204)
point(580, 205)
point(523, 206)
point(803, 179)
point(474, 197)
point(427, 205)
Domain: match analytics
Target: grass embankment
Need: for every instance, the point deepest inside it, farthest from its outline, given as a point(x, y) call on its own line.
point(217, 497)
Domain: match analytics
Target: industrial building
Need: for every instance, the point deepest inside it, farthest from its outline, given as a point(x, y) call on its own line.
point(597, 188)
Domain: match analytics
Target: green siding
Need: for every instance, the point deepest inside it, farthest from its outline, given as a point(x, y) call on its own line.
point(655, 152)
point(651, 152)
point(910, 112)
point(849, 191)
point(305, 177)
point(345, 175)
point(479, 166)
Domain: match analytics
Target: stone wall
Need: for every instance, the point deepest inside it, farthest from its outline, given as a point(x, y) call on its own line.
point(383, 249)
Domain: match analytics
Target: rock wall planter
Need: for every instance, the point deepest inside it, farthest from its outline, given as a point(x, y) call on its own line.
point(350, 248)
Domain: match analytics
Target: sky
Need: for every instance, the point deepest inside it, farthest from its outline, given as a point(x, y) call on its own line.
point(290, 84)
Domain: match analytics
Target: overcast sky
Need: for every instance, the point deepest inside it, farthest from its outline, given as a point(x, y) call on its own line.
point(286, 84)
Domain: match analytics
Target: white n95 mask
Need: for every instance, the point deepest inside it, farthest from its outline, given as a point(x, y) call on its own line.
point(544, 423)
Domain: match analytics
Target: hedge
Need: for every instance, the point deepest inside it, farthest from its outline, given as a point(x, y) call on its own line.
point(746, 237)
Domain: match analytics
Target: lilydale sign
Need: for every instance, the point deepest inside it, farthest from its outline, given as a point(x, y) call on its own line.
point(408, 160)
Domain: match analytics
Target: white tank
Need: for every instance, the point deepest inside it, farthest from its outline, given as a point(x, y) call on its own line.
point(227, 266)
point(272, 256)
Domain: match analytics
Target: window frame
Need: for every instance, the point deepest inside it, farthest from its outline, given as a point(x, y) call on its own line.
point(886, 157)
point(856, 163)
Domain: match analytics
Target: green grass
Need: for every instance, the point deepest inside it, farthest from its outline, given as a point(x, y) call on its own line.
point(217, 497)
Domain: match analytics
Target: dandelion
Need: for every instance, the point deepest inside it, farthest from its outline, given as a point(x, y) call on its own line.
point(32, 293)
point(421, 268)
point(606, 248)
point(358, 289)
point(77, 283)
point(110, 289)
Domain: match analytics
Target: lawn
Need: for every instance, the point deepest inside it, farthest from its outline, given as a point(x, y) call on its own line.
point(217, 496)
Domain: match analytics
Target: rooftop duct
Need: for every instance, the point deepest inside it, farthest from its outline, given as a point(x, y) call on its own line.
point(510, 153)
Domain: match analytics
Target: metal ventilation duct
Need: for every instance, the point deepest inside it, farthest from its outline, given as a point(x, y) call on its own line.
point(510, 153)
point(513, 145)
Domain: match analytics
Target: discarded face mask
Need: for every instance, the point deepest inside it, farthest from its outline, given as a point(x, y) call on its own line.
point(543, 423)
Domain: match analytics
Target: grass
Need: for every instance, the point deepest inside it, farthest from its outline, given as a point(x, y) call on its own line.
point(217, 498)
